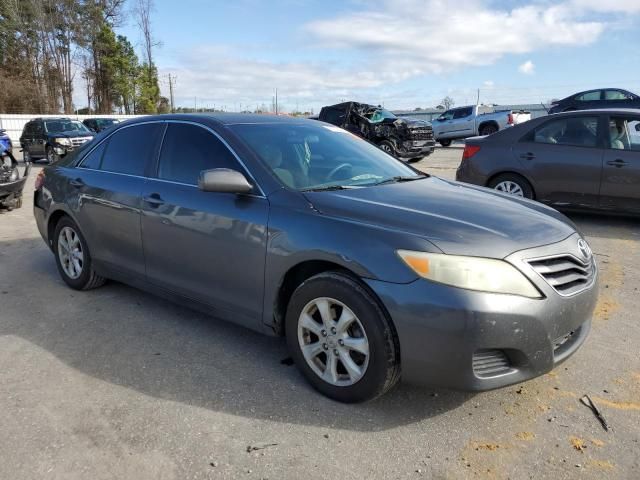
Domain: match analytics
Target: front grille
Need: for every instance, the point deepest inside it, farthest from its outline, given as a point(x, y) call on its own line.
point(421, 133)
point(77, 141)
point(565, 273)
point(490, 363)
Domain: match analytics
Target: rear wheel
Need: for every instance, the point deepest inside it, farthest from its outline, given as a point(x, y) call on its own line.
point(73, 258)
point(341, 339)
point(444, 143)
point(488, 129)
point(512, 184)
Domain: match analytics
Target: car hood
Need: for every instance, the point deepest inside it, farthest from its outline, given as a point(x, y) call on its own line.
point(457, 218)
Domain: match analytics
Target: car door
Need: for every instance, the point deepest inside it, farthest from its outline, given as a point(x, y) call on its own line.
point(620, 187)
point(38, 142)
point(562, 157)
point(442, 125)
point(208, 246)
point(462, 124)
point(106, 196)
point(27, 137)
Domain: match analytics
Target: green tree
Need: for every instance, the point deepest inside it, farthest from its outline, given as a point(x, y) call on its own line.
point(148, 90)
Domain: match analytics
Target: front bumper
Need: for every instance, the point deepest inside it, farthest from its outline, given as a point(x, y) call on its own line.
point(469, 340)
point(416, 149)
point(11, 192)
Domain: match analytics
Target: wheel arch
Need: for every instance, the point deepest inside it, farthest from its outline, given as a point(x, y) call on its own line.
point(297, 275)
point(511, 172)
point(488, 122)
point(52, 221)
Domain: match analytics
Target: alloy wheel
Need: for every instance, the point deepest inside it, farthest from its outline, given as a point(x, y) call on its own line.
point(70, 252)
point(510, 187)
point(333, 341)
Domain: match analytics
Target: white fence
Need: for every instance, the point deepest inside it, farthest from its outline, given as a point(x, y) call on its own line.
point(14, 124)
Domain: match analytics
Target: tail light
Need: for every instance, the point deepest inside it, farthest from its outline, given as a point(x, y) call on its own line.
point(510, 119)
point(470, 151)
point(39, 180)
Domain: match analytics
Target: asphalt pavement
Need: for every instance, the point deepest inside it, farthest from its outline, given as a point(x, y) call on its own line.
point(116, 383)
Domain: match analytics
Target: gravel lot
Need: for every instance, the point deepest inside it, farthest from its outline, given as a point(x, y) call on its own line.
point(115, 383)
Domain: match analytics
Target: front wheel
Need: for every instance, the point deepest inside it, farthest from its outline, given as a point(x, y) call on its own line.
point(73, 258)
point(26, 156)
point(387, 146)
point(341, 340)
point(51, 154)
point(444, 143)
point(512, 184)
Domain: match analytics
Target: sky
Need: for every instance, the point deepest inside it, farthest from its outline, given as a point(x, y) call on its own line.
point(402, 54)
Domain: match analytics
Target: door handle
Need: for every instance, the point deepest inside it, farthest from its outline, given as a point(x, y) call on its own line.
point(154, 200)
point(77, 183)
point(618, 162)
point(527, 156)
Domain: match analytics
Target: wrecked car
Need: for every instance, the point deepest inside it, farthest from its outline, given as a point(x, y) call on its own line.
point(407, 139)
point(12, 183)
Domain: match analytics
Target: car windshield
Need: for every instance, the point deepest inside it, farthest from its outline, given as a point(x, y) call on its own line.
point(106, 122)
point(380, 114)
point(59, 126)
point(321, 157)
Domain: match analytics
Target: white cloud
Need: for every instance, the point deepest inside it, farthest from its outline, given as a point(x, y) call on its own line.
point(394, 40)
point(488, 84)
point(528, 68)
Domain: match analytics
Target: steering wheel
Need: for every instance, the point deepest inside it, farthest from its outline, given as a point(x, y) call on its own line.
point(333, 172)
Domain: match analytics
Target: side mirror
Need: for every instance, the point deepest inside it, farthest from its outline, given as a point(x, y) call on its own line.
point(223, 180)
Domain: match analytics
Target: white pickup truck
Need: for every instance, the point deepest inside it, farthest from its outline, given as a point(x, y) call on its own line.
point(464, 122)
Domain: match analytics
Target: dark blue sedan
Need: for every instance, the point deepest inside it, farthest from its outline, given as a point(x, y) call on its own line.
point(372, 270)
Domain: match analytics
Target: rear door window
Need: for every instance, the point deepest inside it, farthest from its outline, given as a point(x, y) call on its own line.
point(616, 95)
point(576, 131)
point(130, 149)
point(624, 133)
point(189, 149)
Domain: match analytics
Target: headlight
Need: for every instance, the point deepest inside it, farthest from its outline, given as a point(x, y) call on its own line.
point(63, 141)
point(473, 273)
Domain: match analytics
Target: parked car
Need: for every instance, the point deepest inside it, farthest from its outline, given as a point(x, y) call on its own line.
point(600, 98)
point(12, 182)
point(406, 139)
point(99, 124)
point(470, 121)
point(5, 140)
point(51, 138)
point(583, 160)
point(371, 269)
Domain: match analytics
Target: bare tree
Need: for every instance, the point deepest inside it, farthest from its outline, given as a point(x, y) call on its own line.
point(447, 102)
point(142, 11)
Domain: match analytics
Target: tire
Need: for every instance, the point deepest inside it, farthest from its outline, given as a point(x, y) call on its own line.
point(512, 183)
point(387, 146)
point(416, 159)
point(87, 278)
point(445, 143)
point(18, 202)
point(26, 156)
point(488, 129)
point(376, 372)
point(50, 154)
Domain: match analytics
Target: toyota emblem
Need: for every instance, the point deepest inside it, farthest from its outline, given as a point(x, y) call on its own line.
point(584, 248)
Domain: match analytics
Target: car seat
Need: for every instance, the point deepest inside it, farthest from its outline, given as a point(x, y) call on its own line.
point(272, 155)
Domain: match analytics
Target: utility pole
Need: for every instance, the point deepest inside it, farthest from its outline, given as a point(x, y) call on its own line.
point(171, 80)
point(276, 101)
point(478, 98)
point(195, 104)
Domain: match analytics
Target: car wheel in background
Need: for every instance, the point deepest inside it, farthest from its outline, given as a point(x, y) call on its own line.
point(51, 155)
point(416, 159)
point(488, 129)
point(73, 258)
point(387, 147)
point(26, 156)
point(444, 143)
point(341, 339)
point(512, 184)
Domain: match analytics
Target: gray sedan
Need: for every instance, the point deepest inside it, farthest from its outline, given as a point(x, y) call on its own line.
point(372, 270)
point(578, 160)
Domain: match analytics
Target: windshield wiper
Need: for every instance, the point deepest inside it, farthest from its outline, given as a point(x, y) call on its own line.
point(399, 179)
point(325, 189)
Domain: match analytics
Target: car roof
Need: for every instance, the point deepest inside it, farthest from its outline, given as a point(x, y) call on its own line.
point(635, 111)
point(223, 118)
